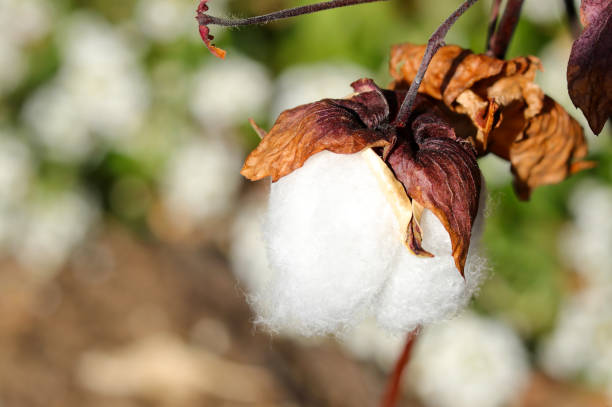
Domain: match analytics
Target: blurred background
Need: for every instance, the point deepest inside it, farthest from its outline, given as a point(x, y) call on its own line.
point(128, 239)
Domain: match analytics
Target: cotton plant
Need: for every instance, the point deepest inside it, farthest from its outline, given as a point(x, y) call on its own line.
point(98, 97)
point(376, 198)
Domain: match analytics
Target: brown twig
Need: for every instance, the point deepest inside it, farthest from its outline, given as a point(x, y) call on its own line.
point(436, 41)
point(393, 385)
point(498, 44)
point(204, 19)
point(493, 20)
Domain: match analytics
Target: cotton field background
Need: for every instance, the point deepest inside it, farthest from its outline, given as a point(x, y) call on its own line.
point(129, 240)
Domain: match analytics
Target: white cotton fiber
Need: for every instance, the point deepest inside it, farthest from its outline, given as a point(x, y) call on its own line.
point(424, 290)
point(331, 236)
point(334, 247)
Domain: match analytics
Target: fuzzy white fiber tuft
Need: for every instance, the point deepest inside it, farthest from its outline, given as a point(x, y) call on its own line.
point(334, 247)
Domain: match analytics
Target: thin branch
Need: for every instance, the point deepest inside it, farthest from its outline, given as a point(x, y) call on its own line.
point(393, 386)
point(572, 18)
point(436, 41)
point(502, 37)
point(204, 19)
point(493, 20)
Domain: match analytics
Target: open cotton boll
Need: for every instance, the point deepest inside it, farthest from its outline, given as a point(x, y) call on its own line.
point(424, 290)
point(469, 361)
point(331, 235)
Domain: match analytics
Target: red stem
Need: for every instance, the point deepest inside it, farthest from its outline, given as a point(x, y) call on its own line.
point(393, 385)
point(493, 20)
point(498, 44)
point(204, 19)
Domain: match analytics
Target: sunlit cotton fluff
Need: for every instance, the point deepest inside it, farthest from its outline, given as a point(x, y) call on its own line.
point(334, 246)
point(467, 362)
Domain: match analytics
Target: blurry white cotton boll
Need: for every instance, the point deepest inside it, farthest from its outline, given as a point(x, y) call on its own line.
point(50, 229)
point(303, 84)
point(104, 78)
point(587, 242)
point(334, 246)
point(13, 66)
point(24, 21)
point(165, 20)
point(201, 180)
point(581, 344)
point(56, 124)
point(15, 169)
point(99, 91)
point(469, 361)
point(225, 93)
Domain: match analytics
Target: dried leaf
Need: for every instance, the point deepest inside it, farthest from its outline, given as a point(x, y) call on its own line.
point(451, 71)
point(588, 72)
point(440, 172)
point(540, 155)
point(505, 107)
point(343, 126)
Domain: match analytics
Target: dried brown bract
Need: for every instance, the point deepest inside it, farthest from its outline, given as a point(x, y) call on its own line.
point(510, 114)
point(589, 77)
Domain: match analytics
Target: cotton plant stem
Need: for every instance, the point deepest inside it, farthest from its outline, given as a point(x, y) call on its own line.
point(204, 19)
point(436, 41)
point(498, 44)
point(393, 385)
point(493, 20)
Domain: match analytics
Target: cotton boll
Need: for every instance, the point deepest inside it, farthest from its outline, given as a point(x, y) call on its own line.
point(201, 180)
point(423, 290)
point(50, 229)
point(581, 344)
point(15, 170)
point(164, 20)
point(53, 116)
point(331, 236)
point(224, 93)
point(13, 67)
point(469, 361)
point(586, 242)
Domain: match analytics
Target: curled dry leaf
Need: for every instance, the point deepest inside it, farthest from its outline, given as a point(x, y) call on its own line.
point(440, 172)
point(589, 78)
point(505, 108)
point(343, 126)
point(205, 32)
